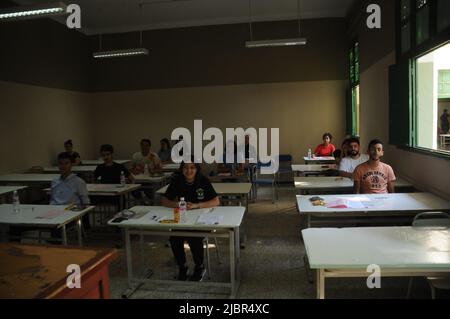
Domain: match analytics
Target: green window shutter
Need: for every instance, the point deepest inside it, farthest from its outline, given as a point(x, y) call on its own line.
point(348, 112)
point(399, 104)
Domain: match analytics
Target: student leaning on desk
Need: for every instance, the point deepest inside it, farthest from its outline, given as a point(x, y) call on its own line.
point(374, 176)
point(198, 193)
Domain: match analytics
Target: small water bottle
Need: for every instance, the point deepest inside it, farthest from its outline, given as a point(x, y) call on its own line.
point(309, 153)
point(16, 202)
point(123, 181)
point(146, 170)
point(182, 205)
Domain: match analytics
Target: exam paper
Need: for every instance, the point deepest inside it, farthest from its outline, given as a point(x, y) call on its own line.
point(209, 219)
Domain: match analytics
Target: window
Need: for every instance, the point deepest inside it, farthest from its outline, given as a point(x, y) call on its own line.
point(432, 100)
point(354, 84)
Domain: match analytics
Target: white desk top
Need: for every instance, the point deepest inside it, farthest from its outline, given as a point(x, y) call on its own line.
point(231, 218)
point(331, 182)
point(388, 247)
point(222, 188)
point(313, 168)
point(319, 159)
point(143, 179)
point(28, 215)
point(75, 169)
point(398, 202)
point(100, 161)
point(9, 189)
point(32, 178)
point(108, 189)
point(334, 182)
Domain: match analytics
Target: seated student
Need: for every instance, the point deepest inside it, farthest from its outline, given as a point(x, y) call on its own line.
point(373, 176)
point(326, 148)
point(145, 158)
point(65, 190)
point(345, 146)
point(76, 159)
point(109, 172)
point(354, 158)
point(165, 153)
point(198, 193)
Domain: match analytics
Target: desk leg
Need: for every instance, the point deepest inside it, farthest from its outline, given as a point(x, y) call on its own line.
point(232, 262)
point(129, 260)
point(80, 232)
point(320, 284)
point(121, 203)
point(141, 250)
point(64, 235)
point(308, 221)
point(238, 255)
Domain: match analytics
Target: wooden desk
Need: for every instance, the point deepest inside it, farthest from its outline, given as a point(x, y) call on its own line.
point(35, 271)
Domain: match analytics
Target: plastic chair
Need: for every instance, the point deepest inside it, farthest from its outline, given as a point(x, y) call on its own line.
point(432, 219)
point(285, 166)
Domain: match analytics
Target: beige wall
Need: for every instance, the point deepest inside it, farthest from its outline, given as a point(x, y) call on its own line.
point(428, 173)
point(35, 121)
point(302, 110)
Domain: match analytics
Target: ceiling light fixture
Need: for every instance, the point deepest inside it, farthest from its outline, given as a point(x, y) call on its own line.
point(33, 11)
point(121, 53)
point(276, 42)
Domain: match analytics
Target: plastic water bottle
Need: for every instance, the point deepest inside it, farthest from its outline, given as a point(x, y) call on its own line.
point(182, 205)
point(146, 170)
point(122, 179)
point(16, 202)
point(309, 153)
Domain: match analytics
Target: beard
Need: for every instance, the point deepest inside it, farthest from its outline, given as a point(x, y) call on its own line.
point(354, 153)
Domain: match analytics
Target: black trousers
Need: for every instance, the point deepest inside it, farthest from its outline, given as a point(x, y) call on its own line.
point(196, 245)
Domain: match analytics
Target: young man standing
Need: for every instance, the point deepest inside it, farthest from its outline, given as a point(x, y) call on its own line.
point(374, 177)
point(354, 158)
point(145, 157)
point(109, 172)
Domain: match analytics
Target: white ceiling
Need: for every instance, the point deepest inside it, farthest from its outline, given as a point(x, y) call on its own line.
point(115, 16)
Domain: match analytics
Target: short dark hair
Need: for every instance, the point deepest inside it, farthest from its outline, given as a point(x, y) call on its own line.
point(146, 140)
point(107, 148)
point(374, 142)
point(65, 155)
point(327, 135)
point(68, 142)
point(353, 140)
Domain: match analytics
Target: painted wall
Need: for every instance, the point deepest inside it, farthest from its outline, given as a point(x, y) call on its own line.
point(35, 122)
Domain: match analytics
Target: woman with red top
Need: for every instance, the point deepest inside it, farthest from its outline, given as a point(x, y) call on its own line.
point(326, 148)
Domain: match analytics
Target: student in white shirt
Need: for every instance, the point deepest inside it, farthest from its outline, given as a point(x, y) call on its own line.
point(354, 158)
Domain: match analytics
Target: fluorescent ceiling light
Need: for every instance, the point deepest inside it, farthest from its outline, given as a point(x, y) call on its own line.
point(33, 11)
point(275, 43)
point(120, 53)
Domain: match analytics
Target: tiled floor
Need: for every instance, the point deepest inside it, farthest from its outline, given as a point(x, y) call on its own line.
point(271, 264)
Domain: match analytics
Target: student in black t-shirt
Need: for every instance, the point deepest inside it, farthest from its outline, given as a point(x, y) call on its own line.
point(109, 172)
point(198, 193)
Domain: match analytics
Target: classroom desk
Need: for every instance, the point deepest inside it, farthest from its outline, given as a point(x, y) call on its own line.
point(153, 180)
point(336, 185)
point(36, 271)
point(7, 191)
point(43, 216)
point(319, 160)
point(170, 167)
point(316, 169)
point(373, 205)
point(28, 179)
point(224, 177)
point(144, 224)
point(443, 138)
point(398, 251)
point(100, 161)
